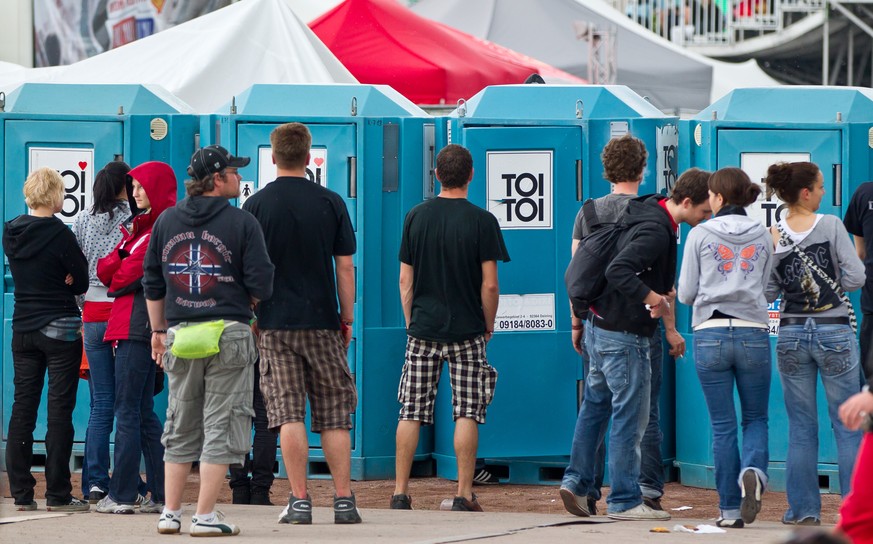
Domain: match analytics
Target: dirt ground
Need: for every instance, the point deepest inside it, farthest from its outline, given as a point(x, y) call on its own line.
point(428, 493)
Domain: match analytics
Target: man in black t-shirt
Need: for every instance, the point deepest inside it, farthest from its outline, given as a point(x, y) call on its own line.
point(304, 340)
point(859, 223)
point(449, 291)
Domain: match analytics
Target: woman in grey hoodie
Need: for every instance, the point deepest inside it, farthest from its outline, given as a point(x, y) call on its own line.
point(815, 336)
point(725, 267)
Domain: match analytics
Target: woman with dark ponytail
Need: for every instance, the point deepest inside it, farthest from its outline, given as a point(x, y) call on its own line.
point(725, 267)
point(815, 265)
point(98, 231)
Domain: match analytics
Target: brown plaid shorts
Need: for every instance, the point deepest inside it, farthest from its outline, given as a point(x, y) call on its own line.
point(473, 379)
point(297, 363)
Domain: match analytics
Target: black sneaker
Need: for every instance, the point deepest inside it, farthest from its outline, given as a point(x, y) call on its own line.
point(461, 504)
point(298, 511)
point(401, 502)
point(752, 491)
point(26, 507)
point(72, 505)
point(345, 510)
point(95, 494)
point(242, 495)
point(808, 521)
point(484, 477)
point(592, 506)
point(653, 503)
point(261, 497)
point(730, 523)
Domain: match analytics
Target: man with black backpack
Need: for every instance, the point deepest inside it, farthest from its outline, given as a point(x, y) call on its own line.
point(620, 339)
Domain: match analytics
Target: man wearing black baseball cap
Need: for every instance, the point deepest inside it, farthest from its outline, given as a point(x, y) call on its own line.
point(213, 159)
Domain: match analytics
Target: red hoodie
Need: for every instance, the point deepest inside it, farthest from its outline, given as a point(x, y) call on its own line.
point(121, 270)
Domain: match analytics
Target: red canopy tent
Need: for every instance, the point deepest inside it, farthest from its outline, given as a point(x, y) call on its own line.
point(383, 42)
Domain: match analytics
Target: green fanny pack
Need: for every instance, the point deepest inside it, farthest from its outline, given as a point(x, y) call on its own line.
point(198, 341)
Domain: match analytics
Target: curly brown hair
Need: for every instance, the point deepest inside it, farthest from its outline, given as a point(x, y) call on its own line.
point(624, 159)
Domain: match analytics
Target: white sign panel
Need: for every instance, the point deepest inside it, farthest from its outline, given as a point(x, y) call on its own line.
point(773, 317)
point(525, 313)
point(667, 142)
point(246, 189)
point(767, 210)
point(316, 169)
point(520, 188)
point(76, 167)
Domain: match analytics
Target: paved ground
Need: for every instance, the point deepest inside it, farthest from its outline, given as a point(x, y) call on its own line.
point(259, 524)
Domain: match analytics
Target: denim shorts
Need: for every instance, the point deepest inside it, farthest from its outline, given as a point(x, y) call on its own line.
point(209, 415)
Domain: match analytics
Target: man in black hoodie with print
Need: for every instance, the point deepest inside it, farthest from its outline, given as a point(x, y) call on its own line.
point(620, 330)
point(206, 267)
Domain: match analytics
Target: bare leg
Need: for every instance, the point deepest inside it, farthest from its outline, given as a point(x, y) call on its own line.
point(295, 455)
point(337, 447)
point(211, 482)
point(175, 477)
point(466, 444)
point(407, 441)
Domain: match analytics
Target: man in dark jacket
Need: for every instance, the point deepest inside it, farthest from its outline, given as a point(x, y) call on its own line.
point(619, 334)
point(206, 266)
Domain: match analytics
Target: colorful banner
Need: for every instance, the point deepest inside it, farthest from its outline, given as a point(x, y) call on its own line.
point(67, 32)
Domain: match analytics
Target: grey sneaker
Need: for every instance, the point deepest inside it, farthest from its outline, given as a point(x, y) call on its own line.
point(345, 510)
point(640, 512)
point(298, 511)
point(217, 527)
point(752, 491)
point(574, 503)
point(151, 507)
point(108, 506)
point(169, 524)
point(72, 505)
point(26, 507)
point(401, 502)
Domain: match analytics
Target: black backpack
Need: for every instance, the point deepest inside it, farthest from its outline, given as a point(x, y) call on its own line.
point(585, 277)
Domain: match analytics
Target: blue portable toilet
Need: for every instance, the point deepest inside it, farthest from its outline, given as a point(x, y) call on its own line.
point(536, 158)
point(375, 148)
point(752, 129)
point(77, 129)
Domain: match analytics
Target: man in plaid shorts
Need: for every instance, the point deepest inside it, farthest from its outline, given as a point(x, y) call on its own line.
point(448, 287)
point(304, 340)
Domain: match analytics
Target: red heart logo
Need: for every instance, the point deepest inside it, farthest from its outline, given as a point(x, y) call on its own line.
point(82, 165)
point(318, 161)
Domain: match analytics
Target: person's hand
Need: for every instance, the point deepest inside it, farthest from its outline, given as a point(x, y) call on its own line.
point(69, 279)
point(488, 336)
point(856, 408)
point(577, 336)
point(660, 309)
point(671, 296)
point(159, 349)
point(677, 343)
point(346, 329)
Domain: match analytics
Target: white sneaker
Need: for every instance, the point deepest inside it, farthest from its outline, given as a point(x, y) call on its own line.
point(640, 512)
point(217, 527)
point(169, 524)
point(109, 506)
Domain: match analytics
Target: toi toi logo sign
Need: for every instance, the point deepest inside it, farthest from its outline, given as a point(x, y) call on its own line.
point(520, 188)
point(76, 167)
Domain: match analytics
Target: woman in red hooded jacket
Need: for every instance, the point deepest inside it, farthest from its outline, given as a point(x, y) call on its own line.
point(137, 428)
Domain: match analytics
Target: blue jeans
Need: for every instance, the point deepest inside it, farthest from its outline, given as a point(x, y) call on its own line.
point(619, 383)
point(137, 429)
point(101, 382)
point(723, 356)
point(802, 352)
point(651, 465)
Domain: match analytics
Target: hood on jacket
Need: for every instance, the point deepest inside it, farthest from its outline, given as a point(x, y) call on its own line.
point(159, 182)
point(737, 229)
point(196, 210)
point(26, 235)
point(646, 208)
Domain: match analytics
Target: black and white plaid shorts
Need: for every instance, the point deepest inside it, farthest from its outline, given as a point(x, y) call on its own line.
point(472, 378)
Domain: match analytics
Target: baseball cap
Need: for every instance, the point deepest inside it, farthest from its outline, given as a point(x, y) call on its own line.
point(212, 159)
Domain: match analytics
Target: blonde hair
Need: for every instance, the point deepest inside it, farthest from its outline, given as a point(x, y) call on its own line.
point(43, 188)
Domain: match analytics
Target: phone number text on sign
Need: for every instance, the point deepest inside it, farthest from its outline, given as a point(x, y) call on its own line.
point(525, 313)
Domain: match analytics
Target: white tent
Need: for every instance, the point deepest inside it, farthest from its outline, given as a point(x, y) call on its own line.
point(208, 60)
point(670, 76)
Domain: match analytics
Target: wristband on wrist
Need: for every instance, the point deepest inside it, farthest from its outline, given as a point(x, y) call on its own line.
point(159, 331)
point(577, 327)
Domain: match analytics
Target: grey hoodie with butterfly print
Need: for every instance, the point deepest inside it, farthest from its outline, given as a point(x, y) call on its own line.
point(725, 267)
